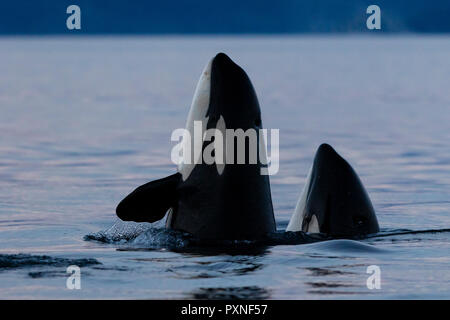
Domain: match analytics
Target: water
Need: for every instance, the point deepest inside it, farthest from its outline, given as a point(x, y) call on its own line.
point(85, 120)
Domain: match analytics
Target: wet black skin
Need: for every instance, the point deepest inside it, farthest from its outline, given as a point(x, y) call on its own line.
point(338, 198)
point(234, 205)
point(237, 204)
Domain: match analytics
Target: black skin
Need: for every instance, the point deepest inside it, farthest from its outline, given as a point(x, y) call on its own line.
point(235, 205)
point(338, 198)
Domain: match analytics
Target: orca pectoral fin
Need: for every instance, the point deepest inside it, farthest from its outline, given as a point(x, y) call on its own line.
point(151, 201)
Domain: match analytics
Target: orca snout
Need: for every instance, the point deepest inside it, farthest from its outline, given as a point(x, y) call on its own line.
point(326, 150)
point(334, 200)
point(232, 95)
point(221, 60)
point(226, 73)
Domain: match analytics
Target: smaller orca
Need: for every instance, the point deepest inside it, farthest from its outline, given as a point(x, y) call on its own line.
point(333, 201)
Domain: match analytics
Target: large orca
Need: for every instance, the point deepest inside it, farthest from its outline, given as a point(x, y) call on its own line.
point(333, 201)
point(212, 201)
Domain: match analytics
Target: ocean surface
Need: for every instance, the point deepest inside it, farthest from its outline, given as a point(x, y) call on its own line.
point(85, 120)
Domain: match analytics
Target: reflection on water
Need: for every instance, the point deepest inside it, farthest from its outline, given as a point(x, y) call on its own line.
point(320, 272)
point(334, 280)
point(230, 293)
point(338, 293)
point(223, 267)
point(203, 263)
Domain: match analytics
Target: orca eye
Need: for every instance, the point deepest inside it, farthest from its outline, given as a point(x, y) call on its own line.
point(359, 221)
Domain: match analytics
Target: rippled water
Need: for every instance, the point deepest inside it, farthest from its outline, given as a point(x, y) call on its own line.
point(85, 120)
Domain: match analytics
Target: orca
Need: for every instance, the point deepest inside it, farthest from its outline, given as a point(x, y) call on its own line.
point(212, 201)
point(333, 201)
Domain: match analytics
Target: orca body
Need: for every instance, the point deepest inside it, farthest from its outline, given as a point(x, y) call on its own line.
point(212, 201)
point(334, 201)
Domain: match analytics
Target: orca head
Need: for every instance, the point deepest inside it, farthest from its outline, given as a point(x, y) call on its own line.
point(232, 96)
point(334, 200)
point(224, 99)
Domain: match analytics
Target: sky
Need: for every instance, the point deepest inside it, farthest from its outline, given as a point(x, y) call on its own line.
point(43, 17)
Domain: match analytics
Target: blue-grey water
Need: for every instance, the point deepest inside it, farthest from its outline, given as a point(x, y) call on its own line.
point(83, 121)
